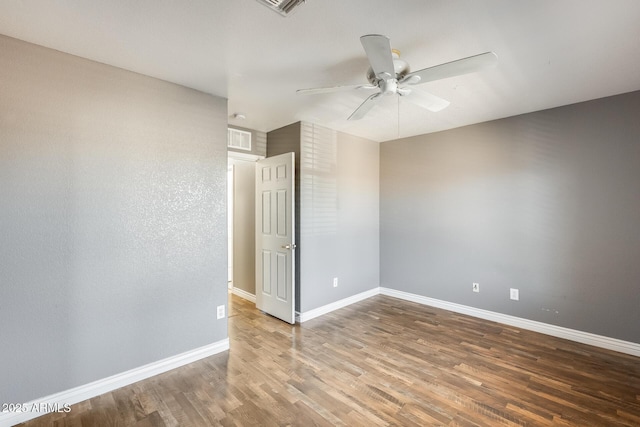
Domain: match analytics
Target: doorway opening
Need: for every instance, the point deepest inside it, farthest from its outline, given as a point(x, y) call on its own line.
point(241, 223)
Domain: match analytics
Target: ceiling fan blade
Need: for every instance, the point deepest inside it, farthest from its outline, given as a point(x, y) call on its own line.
point(364, 108)
point(427, 100)
point(451, 69)
point(378, 50)
point(317, 90)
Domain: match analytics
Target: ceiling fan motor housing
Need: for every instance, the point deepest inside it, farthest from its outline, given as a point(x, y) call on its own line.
point(400, 67)
point(388, 86)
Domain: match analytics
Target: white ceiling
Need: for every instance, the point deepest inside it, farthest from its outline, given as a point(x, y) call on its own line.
point(551, 53)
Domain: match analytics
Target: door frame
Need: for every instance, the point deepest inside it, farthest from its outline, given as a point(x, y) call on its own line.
point(232, 157)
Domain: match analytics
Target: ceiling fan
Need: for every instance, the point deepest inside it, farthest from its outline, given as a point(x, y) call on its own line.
point(390, 75)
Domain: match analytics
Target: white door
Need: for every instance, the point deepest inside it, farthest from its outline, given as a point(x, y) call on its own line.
point(275, 236)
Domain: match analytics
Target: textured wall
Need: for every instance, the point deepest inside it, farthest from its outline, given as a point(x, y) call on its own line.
point(112, 220)
point(546, 202)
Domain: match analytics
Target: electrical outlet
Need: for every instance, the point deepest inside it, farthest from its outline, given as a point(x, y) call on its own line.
point(514, 294)
point(335, 282)
point(220, 311)
point(476, 287)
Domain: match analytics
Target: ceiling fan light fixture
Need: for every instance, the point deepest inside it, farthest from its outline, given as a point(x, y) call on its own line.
point(282, 7)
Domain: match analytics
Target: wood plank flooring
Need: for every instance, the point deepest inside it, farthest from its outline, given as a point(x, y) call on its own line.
point(379, 362)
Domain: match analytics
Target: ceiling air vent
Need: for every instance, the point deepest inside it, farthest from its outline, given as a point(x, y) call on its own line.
point(283, 7)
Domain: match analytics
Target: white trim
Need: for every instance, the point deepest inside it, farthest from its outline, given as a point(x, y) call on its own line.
point(531, 325)
point(231, 200)
point(244, 294)
point(247, 157)
point(316, 312)
point(105, 385)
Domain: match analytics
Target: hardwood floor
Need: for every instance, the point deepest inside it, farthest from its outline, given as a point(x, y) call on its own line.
point(382, 361)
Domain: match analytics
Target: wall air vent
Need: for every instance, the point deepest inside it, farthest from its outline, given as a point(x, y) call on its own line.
point(283, 7)
point(238, 139)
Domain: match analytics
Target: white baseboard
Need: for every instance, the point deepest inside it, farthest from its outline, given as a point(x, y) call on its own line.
point(316, 312)
point(531, 325)
point(244, 294)
point(78, 394)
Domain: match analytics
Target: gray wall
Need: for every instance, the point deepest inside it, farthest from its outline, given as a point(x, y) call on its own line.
point(112, 220)
point(281, 141)
point(547, 202)
point(337, 212)
point(339, 216)
point(244, 234)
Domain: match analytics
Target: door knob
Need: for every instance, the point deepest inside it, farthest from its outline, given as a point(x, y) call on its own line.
point(291, 246)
